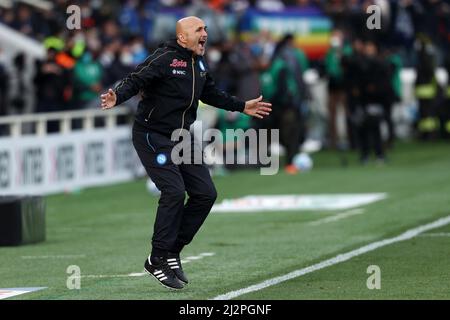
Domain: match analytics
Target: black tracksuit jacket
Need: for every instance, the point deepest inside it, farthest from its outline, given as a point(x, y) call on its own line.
point(172, 80)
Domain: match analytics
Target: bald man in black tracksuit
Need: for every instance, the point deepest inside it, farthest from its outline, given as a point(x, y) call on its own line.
point(172, 80)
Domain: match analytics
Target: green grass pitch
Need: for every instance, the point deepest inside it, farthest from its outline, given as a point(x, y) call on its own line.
point(106, 232)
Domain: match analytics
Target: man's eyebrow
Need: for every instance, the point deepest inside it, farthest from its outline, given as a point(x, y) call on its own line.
point(201, 27)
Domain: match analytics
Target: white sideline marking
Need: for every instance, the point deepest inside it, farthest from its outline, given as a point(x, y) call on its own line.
point(136, 274)
point(141, 274)
point(200, 256)
point(12, 292)
point(103, 276)
point(337, 259)
point(437, 234)
point(61, 256)
point(338, 216)
point(207, 254)
point(193, 258)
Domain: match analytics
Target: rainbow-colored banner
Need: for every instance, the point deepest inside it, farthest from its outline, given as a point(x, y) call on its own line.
point(309, 25)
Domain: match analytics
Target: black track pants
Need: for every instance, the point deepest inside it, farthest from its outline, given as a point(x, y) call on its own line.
point(176, 221)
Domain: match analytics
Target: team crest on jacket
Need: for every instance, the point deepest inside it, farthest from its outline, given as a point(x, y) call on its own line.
point(202, 66)
point(178, 63)
point(161, 159)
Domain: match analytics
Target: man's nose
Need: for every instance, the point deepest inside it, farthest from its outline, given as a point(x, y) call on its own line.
point(204, 33)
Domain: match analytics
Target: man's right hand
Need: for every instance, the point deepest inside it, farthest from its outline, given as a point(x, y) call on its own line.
point(109, 99)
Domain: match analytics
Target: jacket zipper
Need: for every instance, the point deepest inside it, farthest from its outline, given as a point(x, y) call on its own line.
point(149, 114)
point(192, 99)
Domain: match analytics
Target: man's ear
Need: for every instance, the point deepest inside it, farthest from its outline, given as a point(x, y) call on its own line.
point(181, 37)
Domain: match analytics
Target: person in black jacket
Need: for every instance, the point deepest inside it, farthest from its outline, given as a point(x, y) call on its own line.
point(53, 85)
point(172, 80)
point(374, 87)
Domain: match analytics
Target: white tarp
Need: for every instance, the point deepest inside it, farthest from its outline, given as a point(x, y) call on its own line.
point(254, 203)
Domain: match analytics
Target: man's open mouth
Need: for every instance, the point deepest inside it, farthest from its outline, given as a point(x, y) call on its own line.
point(202, 43)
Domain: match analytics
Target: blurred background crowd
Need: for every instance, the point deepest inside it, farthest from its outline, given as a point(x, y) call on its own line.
point(361, 68)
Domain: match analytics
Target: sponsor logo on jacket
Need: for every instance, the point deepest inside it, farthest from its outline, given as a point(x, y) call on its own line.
point(178, 63)
point(182, 72)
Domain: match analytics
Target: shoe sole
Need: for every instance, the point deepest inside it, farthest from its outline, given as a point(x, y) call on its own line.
point(170, 288)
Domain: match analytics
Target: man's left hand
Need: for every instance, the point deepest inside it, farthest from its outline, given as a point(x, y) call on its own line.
point(257, 108)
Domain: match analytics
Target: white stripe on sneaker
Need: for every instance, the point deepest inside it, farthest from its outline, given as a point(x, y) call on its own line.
point(175, 267)
point(160, 275)
point(173, 263)
point(162, 279)
point(173, 259)
point(157, 272)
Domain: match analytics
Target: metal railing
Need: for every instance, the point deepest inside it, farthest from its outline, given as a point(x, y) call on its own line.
point(87, 118)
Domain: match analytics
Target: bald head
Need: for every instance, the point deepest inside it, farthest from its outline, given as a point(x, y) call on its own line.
point(191, 34)
point(187, 23)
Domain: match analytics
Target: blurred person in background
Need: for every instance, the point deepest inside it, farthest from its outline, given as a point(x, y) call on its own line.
point(87, 80)
point(263, 47)
point(352, 68)
point(336, 93)
point(53, 84)
point(283, 84)
point(245, 66)
point(7, 16)
point(373, 95)
point(431, 19)
point(129, 16)
point(109, 32)
point(218, 58)
point(444, 107)
point(19, 86)
point(426, 88)
point(346, 15)
point(138, 50)
point(141, 18)
point(4, 87)
point(402, 29)
point(231, 143)
point(114, 63)
point(23, 20)
point(48, 22)
point(394, 94)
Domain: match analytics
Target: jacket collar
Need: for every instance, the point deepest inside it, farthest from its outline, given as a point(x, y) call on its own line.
point(173, 44)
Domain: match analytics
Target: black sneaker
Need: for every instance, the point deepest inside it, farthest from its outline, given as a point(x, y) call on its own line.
point(163, 273)
point(174, 262)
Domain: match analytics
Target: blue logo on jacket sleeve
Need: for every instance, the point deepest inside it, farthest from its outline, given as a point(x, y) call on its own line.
point(161, 159)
